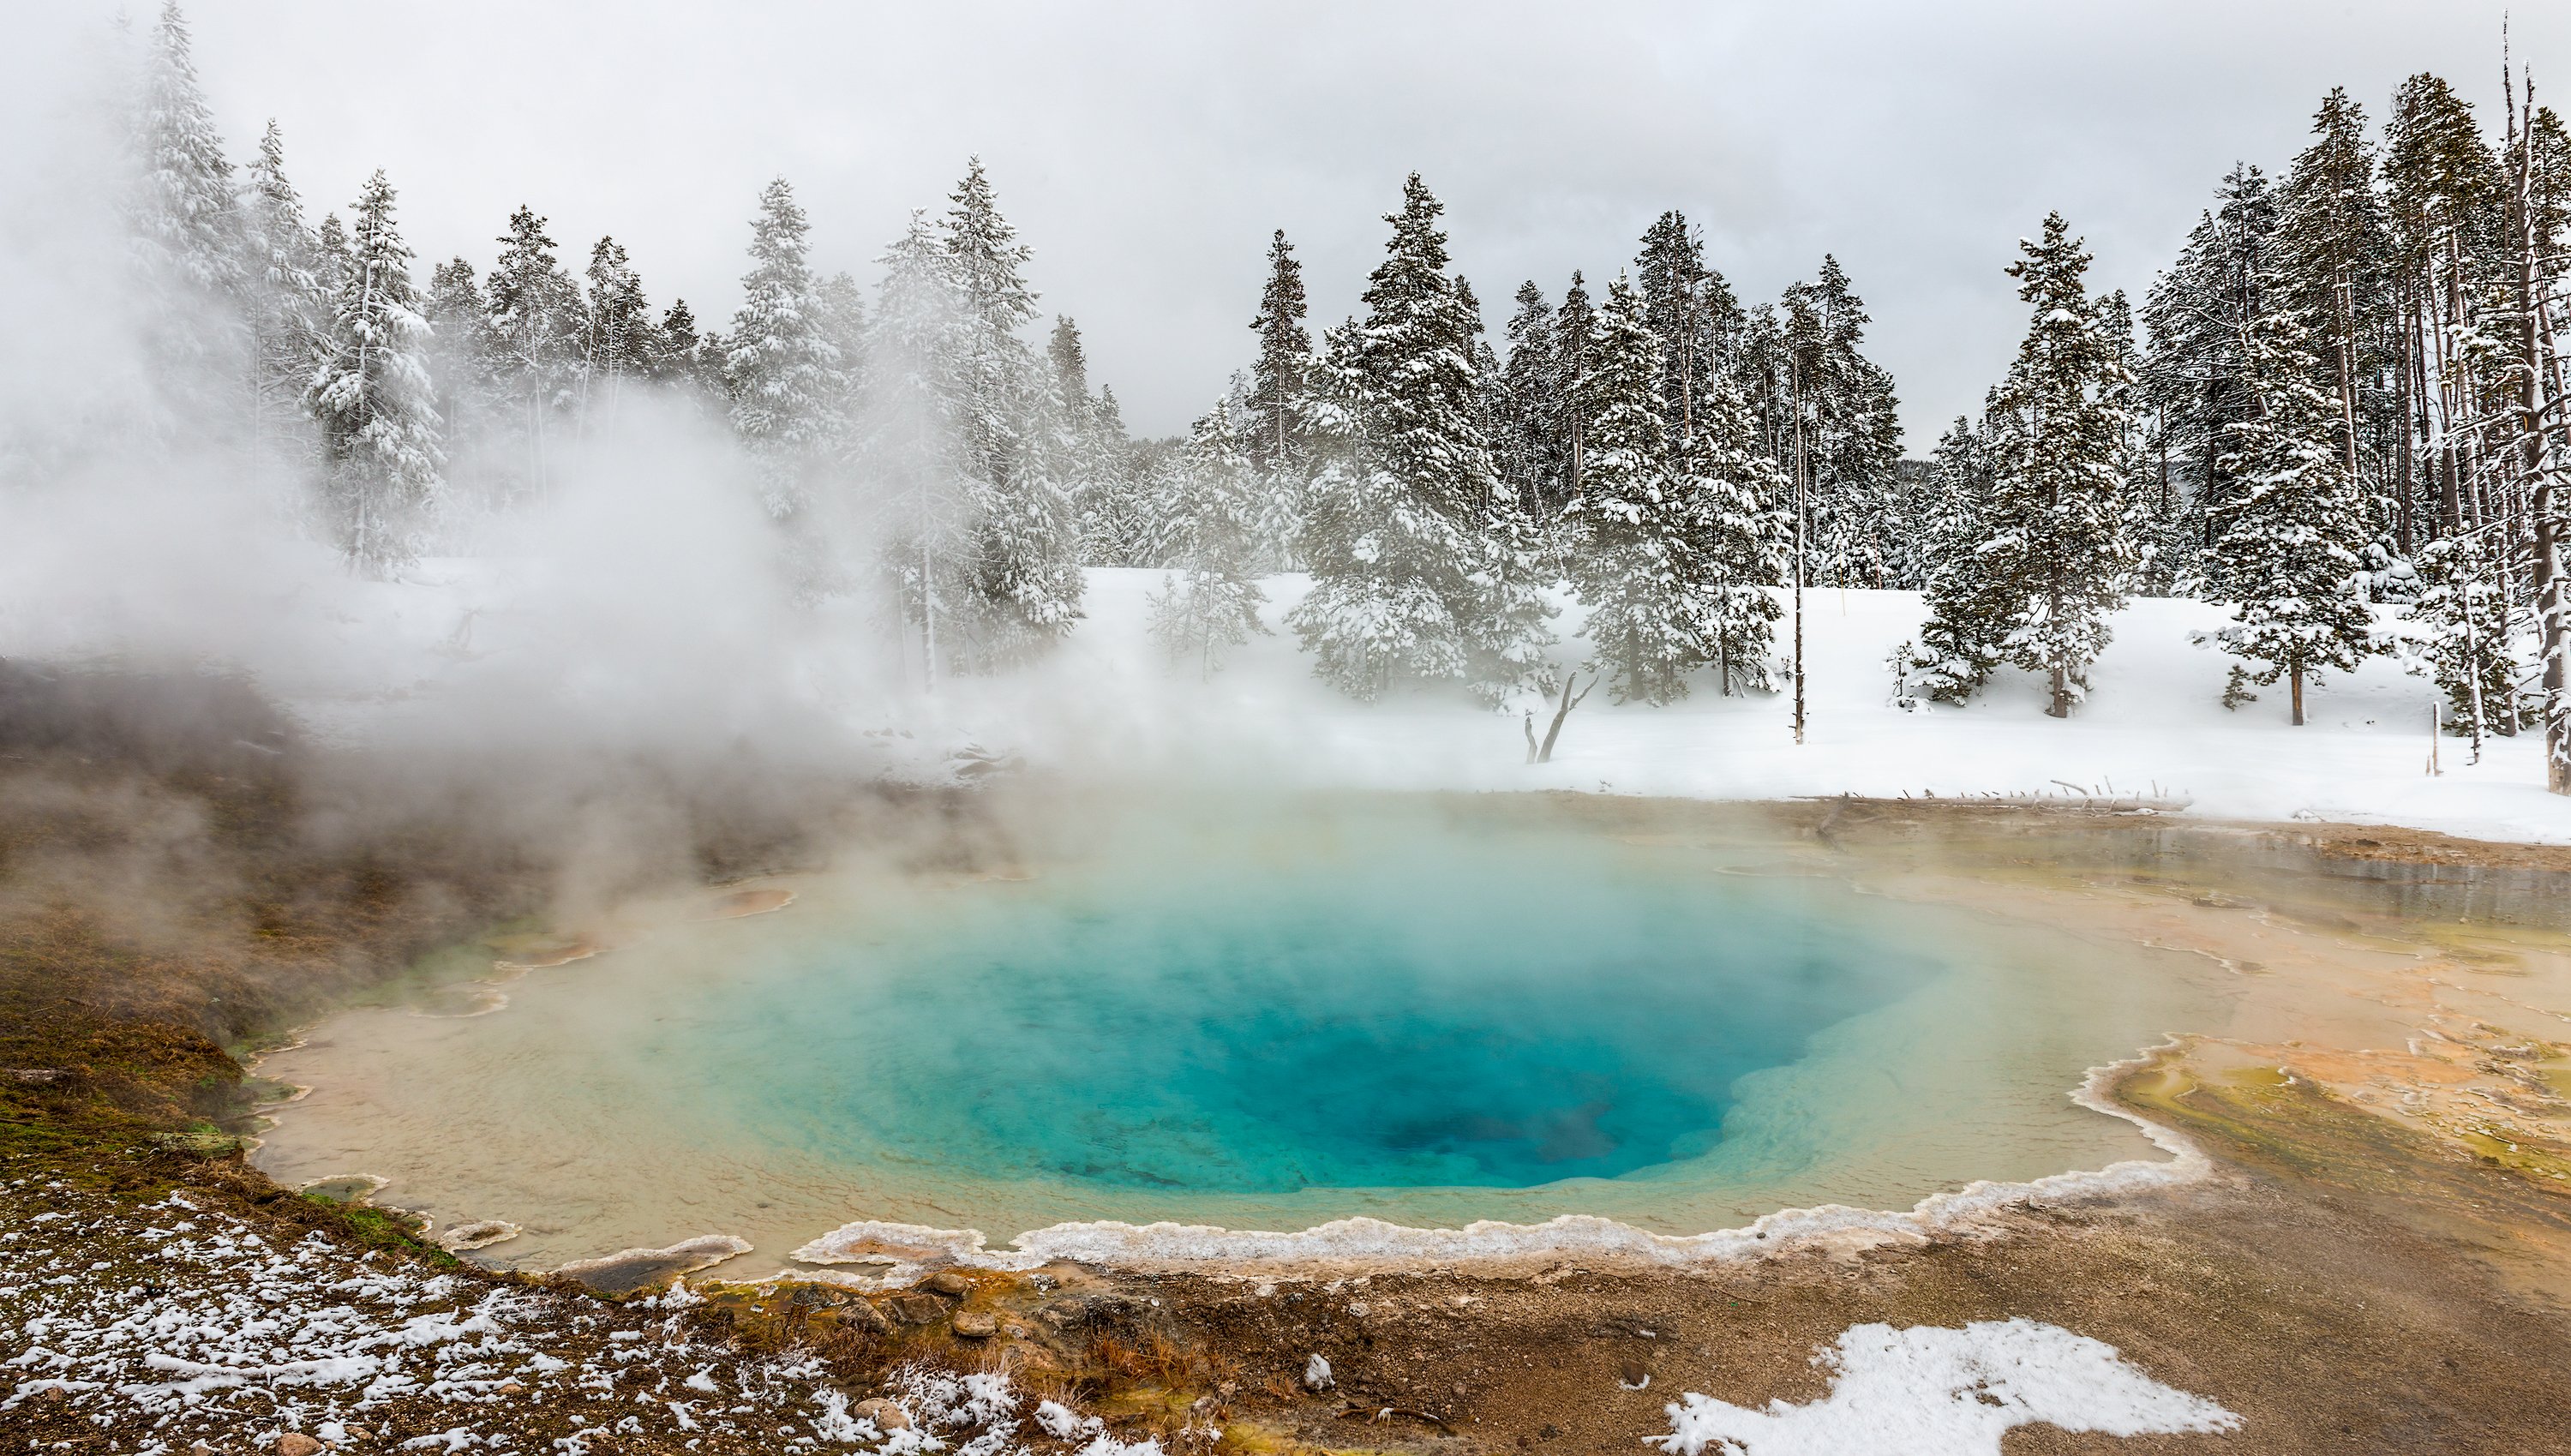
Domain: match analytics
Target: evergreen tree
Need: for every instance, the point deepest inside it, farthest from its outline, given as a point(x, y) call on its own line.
point(467, 393)
point(1279, 386)
point(188, 234)
point(287, 309)
point(371, 396)
point(927, 518)
point(1736, 507)
point(617, 340)
point(1691, 309)
point(1850, 428)
point(1572, 324)
point(1633, 559)
point(1415, 572)
point(2334, 257)
point(2464, 645)
point(1211, 519)
point(1116, 527)
point(2057, 546)
point(685, 357)
point(2288, 539)
point(2194, 378)
point(1026, 575)
point(781, 370)
point(1097, 458)
point(534, 334)
point(1531, 408)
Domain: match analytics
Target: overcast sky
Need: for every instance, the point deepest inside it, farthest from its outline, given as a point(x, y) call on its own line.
point(1146, 151)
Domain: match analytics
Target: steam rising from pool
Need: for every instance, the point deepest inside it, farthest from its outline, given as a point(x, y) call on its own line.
point(1268, 1018)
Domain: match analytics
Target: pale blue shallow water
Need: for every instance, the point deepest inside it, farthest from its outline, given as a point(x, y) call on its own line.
point(1495, 1015)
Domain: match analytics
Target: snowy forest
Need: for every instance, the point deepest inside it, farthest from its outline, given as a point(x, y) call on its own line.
point(2339, 411)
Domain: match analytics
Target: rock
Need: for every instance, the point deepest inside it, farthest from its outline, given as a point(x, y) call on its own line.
point(915, 1308)
point(947, 1281)
point(200, 1448)
point(863, 1314)
point(887, 1416)
point(512, 1387)
point(295, 1443)
point(976, 1327)
point(1316, 1374)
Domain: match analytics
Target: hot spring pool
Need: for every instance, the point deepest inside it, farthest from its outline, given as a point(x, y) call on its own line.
point(1268, 1020)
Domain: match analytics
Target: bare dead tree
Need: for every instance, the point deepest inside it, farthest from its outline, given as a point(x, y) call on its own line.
point(1542, 752)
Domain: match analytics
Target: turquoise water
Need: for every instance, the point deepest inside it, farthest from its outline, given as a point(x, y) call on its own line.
point(1504, 1014)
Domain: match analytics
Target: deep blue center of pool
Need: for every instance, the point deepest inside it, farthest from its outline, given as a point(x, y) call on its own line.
point(1426, 1009)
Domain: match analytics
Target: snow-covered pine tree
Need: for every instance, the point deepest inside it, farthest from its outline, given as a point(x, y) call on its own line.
point(1691, 311)
point(188, 248)
point(617, 342)
point(287, 309)
point(1571, 325)
point(468, 388)
point(1735, 500)
point(1210, 522)
point(2462, 642)
point(1530, 410)
point(331, 256)
point(843, 324)
point(2445, 200)
point(685, 357)
point(2056, 548)
point(2194, 377)
point(372, 396)
point(1370, 619)
point(925, 515)
point(781, 370)
point(1506, 633)
point(2335, 258)
point(1851, 431)
point(1116, 520)
point(534, 334)
point(1094, 467)
point(1026, 578)
point(1968, 616)
point(1633, 557)
point(2063, 538)
point(1412, 576)
point(2287, 537)
point(1279, 393)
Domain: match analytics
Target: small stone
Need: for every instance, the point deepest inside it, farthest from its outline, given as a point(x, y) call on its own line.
point(512, 1387)
point(911, 1308)
point(200, 1448)
point(887, 1416)
point(976, 1327)
point(1316, 1373)
point(863, 1314)
point(295, 1443)
point(947, 1281)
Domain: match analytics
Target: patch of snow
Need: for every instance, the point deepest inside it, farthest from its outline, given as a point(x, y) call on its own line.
point(1926, 1391)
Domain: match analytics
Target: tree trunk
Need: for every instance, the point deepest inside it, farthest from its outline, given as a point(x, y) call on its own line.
point(2531, 374)
point(1544, 750)
point(2295, 669)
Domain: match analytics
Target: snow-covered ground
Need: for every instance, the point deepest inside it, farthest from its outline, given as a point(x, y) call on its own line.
point(2154, 720)
point(174, 1323)
point(1947, 1392)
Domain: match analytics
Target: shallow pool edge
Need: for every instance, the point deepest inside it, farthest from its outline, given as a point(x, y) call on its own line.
point(905, 1251)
